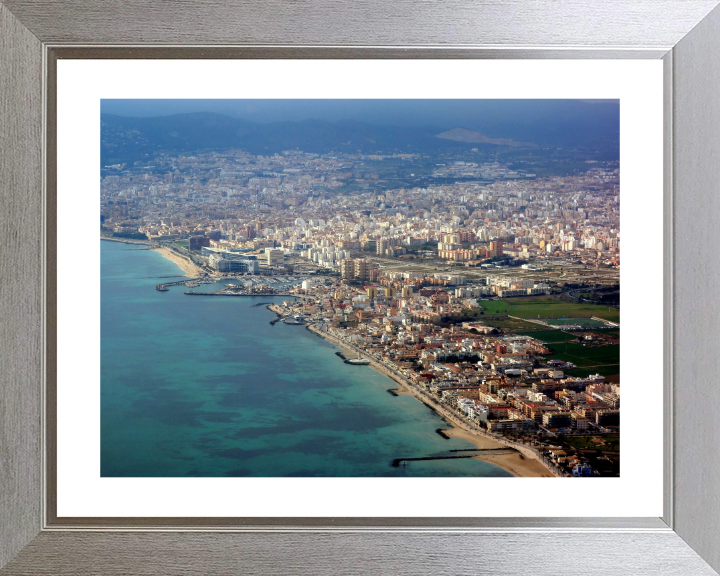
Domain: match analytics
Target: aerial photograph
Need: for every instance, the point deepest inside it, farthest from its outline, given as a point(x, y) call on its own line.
point(360, 288)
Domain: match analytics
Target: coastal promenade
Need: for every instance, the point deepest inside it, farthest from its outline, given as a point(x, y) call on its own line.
point(524, 461)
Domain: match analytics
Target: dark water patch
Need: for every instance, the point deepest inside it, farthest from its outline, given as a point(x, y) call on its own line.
point(239, 453)
point(239, 472)
point(308, 473)
point(221, 417)
point(169, 411)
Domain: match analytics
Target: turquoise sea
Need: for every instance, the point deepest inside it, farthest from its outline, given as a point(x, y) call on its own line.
point(205, 386)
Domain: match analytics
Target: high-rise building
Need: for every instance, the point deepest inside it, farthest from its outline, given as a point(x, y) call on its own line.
point(347, 269)
point(381, 246)
point(496, 248)
point(197, 242)
point(371, 292)
point(361, 269)
point(350, 269)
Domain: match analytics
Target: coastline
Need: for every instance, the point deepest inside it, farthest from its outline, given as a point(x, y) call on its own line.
point(190, 269)
point(523, 463)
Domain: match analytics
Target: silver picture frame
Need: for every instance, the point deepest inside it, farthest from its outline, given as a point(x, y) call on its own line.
point(685, 34)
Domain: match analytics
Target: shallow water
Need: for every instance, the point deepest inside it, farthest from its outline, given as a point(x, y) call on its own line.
point(205, 386)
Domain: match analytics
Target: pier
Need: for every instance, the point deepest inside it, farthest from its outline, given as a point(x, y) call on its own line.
point(480, 452)
point(164, 287)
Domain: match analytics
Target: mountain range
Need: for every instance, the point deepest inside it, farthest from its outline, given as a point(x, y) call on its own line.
point(127, 139)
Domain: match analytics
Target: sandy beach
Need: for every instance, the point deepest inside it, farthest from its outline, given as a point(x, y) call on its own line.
point(185, 264)
point(523, 463)
point(518, 464)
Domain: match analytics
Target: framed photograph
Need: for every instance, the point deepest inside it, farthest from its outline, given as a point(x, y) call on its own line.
point(354, 300)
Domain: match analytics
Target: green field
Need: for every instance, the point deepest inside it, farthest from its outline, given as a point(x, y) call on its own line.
point(604, 360)
point(495, 306)
point(548, 307)
point(550, 336)
point(584, 322)
point(509, 324)
point(609, 443)
point(560, 309)
point(605, 370)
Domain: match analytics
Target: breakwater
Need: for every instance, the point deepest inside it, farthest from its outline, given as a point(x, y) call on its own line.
point(397, 461)
point(164, 286)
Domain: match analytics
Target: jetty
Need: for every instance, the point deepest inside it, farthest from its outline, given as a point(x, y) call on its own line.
point(480, 452)
point(164, 286)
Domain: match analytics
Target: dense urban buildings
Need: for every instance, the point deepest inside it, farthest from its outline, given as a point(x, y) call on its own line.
point(490, 292)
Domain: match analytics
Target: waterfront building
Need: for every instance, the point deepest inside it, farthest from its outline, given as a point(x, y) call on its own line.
point(197, 242)
point(243, 266)
point(274, 256)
